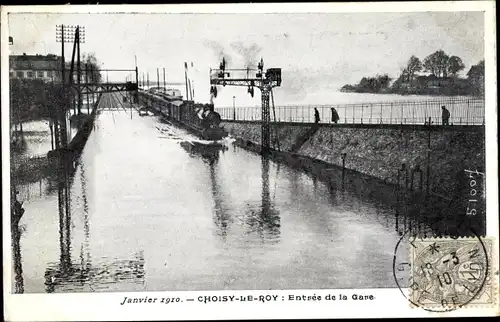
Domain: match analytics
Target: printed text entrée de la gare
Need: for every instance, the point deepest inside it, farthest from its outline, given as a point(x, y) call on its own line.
point(248, 298)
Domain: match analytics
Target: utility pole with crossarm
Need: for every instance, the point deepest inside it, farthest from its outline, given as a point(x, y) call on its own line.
point(251, 78)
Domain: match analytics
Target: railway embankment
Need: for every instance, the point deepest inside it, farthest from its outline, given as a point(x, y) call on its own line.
point(412, 156)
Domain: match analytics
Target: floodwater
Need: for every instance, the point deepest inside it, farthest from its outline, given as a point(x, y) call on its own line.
point(148, 212)
point(38, 135)
point(314, 96)
point(37, 138)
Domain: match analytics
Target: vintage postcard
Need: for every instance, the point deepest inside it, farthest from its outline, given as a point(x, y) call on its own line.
point(249, 161)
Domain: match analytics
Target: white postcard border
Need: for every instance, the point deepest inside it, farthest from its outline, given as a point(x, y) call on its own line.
point(106, 306)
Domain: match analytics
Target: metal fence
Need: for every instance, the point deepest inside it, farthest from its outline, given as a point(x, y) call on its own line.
point(463, 111)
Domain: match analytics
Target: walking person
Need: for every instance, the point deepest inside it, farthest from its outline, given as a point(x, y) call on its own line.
point(316, 115)
point(445, 116)
point(51, 126)
point(335, 115)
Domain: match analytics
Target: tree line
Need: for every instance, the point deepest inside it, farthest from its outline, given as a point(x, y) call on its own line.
point(90, 61)
point(370, 84)
point(437, 63)
point(34, 99)
point(443, 68)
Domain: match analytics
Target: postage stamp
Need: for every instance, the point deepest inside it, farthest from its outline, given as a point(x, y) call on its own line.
point(446, 274)
point(451, 273)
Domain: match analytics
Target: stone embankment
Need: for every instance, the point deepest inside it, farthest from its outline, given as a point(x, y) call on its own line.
point(437, 155)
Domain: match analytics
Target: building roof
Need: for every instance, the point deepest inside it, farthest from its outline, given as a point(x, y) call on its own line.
point(176, 103)
point(34, 62)
point(476, 71)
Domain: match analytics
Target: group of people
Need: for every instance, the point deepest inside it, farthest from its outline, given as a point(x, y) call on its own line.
point(335, 116)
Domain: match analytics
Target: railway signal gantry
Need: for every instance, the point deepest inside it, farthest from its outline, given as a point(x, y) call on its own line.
point(251, 78)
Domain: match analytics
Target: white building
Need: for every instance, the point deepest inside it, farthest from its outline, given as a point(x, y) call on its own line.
point(46, 68)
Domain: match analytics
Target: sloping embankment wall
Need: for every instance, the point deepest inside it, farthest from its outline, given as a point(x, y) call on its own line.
point(379, 151)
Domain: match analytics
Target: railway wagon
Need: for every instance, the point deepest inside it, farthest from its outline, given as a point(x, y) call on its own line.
point(200, 117)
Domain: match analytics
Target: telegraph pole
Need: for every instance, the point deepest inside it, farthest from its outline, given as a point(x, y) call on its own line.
point(164, 82)
point(158, 77)
point(78, 72)
point(60, 124)
point(234, 108)
point(149, 96)
point(186, 79)
point(75, 34)
point(130, 94)
point(87, 82)
point(62, 36)
point(12, 120)
point(65, 34)
point(190, 92)
point(136, 96)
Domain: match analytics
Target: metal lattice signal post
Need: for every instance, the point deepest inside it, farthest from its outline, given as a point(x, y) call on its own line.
point(266, 119)
point(265, 82)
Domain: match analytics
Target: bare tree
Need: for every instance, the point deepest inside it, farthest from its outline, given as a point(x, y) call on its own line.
point(414, 65)
point(93, 66)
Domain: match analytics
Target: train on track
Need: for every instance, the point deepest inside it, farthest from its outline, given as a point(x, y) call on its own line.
point(197, 117)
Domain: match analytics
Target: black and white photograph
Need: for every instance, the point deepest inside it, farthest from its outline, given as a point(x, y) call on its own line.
point(154, 149)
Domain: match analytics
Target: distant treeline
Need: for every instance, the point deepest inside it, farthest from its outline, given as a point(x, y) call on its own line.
point(442, 80)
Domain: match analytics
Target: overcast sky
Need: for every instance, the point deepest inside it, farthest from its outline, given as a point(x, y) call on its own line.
point(316, 51)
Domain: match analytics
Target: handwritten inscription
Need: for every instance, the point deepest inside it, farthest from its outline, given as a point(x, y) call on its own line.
point(474, 196)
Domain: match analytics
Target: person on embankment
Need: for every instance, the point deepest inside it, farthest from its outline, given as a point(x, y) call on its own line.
point(335, 115)
point(445, 116)
point(316, 115)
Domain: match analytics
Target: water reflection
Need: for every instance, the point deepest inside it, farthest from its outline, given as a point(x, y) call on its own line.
point(86, 222)
point(63, 201)
point(426, 215)
point(87, 276)
point(210, 156)
point(413, 210)
point(84, 275)
point(333, 191)
point(221, 215)
point(64, 216)
point(412, 213)
point(264, 219)
point(79, 272)
point(16, 252)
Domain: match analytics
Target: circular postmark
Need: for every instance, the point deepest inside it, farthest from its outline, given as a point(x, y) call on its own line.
point(442, 274)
